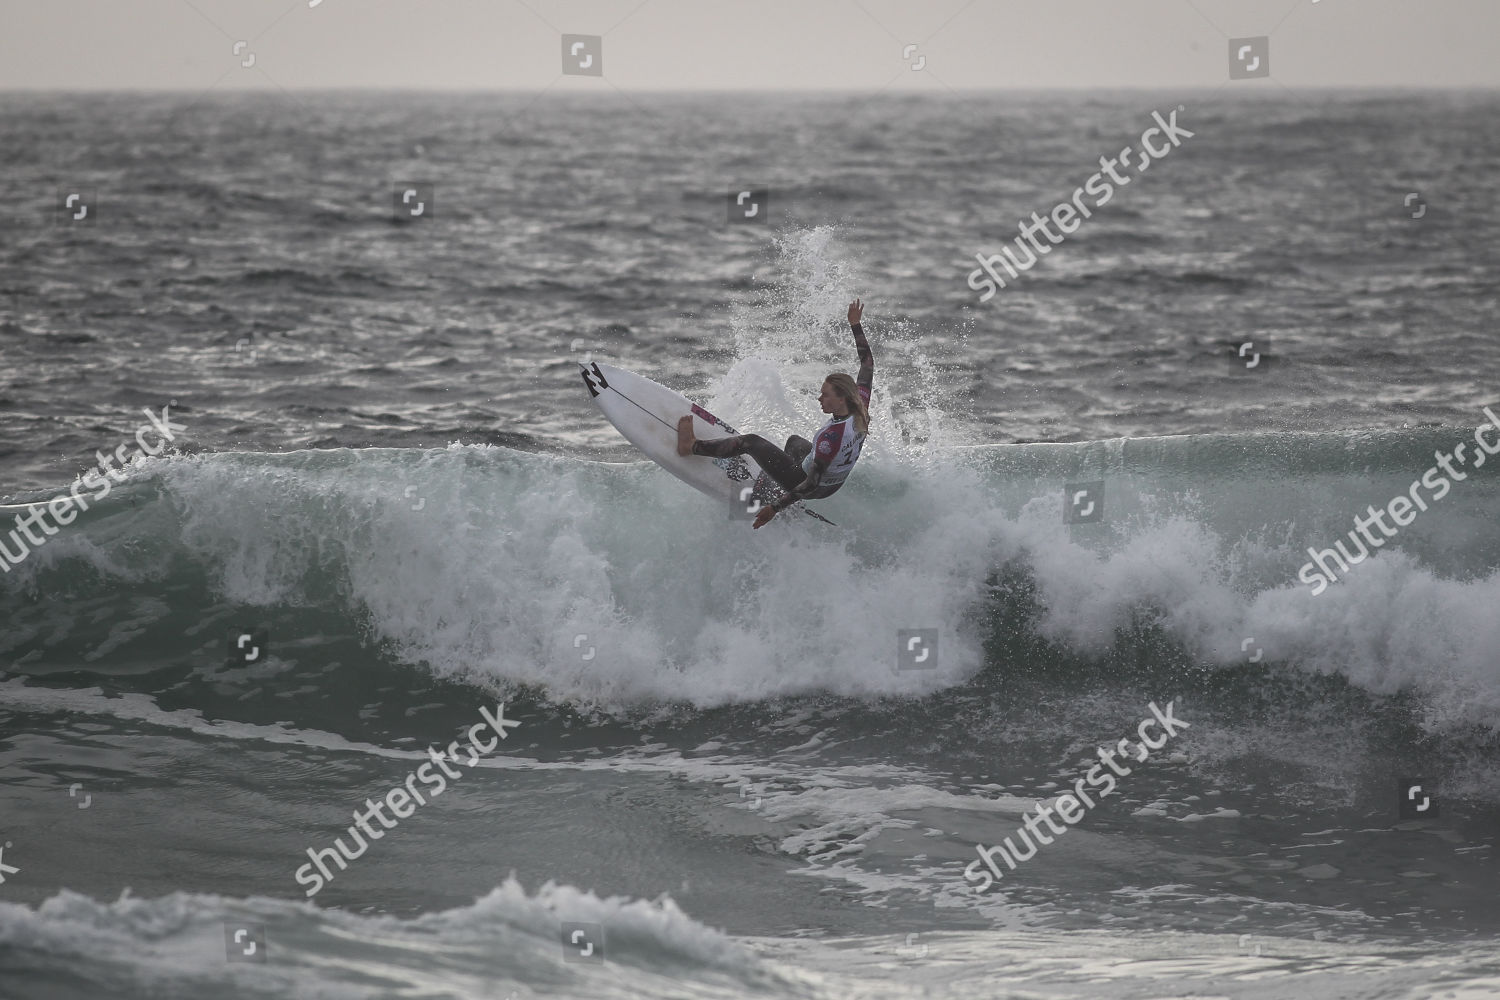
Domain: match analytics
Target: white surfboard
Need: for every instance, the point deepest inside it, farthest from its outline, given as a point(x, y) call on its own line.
point(646, 413)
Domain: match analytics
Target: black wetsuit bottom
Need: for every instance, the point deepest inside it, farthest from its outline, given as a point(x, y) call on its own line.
point(783, 465)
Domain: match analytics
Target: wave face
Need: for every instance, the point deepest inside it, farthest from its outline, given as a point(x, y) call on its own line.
point(586, 581)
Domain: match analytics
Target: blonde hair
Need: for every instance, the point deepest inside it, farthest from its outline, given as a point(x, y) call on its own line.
point(846, 387)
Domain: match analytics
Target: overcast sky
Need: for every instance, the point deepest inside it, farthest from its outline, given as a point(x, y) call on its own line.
point(738, 44)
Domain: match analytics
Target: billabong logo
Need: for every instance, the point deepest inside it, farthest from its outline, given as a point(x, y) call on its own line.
point(596, 381)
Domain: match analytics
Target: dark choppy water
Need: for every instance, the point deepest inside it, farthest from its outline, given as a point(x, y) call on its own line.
point(391, 476)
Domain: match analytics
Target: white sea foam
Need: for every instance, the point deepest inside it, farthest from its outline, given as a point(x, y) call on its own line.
point(613, 584)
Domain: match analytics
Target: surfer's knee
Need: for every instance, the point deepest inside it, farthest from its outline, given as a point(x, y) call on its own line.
point(752, 444)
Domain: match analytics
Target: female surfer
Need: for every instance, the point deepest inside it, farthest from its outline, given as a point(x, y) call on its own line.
point(806, 470)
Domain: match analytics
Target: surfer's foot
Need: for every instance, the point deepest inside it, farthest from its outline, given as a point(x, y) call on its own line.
point(685, 437)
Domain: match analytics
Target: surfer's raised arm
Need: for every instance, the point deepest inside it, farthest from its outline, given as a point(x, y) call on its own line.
point(866, 375)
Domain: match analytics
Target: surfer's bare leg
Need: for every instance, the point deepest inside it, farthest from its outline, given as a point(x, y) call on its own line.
point(685, 437)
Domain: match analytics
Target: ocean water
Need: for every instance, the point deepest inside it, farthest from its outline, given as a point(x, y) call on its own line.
point(727, 778)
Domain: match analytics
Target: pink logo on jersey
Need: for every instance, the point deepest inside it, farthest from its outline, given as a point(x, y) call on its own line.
point(825, 446)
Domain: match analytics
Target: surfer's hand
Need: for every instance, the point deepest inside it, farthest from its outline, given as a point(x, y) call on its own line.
point(764, 515)
point(856, 310)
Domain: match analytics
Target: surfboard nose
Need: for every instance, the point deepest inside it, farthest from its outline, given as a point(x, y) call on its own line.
point(593, 378)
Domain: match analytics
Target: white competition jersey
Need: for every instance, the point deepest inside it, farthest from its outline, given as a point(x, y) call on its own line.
point(838, 444)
